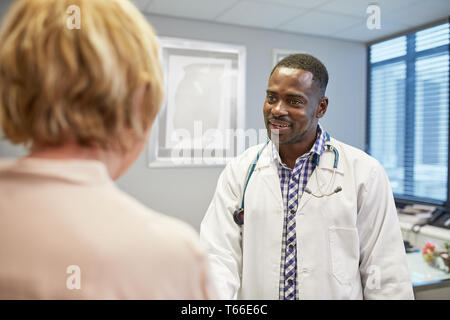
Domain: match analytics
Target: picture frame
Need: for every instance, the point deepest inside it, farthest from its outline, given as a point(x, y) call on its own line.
point(203, 107)
point(278, 54)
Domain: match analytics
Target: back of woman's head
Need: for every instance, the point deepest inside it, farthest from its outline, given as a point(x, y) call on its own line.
point(60, 81)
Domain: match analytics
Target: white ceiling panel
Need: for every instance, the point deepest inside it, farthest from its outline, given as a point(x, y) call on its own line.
point(259, 14)
point(320, 23)
point(421, 12)
point(295, 3)
point(194, 9)
point(361, 33)
point(343, 19)
point(358, 7)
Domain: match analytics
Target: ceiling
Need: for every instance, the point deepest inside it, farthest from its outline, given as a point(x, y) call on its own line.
point(342, 19)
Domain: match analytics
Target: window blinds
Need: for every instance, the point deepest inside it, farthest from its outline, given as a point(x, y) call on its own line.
point(409, 111)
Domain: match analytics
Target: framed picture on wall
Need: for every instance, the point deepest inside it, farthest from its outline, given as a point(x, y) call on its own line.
point(278, 54)
point(204, 86)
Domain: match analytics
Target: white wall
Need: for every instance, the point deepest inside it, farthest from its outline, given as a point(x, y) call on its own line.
point(186, 193)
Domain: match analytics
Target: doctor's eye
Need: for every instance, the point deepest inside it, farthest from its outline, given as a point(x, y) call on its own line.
point(271, 99)
point(296, 102)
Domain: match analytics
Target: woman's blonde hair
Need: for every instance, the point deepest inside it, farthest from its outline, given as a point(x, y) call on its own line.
point(60, 83)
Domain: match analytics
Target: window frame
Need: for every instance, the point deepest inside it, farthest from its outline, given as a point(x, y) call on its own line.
point(410, 59)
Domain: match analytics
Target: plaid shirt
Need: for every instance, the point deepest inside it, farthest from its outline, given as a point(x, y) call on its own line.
point(293, 182)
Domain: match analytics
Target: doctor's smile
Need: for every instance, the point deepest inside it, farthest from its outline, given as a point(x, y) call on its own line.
point(278, 126)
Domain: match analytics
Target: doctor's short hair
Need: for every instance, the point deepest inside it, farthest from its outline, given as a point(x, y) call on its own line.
point(62, 82)
point(309, 63)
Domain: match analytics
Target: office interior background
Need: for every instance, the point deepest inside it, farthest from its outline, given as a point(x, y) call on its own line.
point(388, 91)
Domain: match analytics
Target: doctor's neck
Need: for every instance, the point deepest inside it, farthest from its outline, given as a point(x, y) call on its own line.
point(291, 151)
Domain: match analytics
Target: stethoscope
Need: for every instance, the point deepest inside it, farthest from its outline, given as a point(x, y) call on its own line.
point(238, 215)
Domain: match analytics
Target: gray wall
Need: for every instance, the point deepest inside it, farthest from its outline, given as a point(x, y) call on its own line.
point(186, 193)
point(4, 5)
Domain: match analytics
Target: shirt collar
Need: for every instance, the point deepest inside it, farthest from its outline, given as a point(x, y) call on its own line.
point(317, 148)
point(86, 172)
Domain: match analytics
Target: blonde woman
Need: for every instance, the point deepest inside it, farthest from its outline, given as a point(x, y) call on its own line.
point(80, 86)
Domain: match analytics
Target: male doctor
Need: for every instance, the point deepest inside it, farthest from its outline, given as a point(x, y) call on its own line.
point(319, 221)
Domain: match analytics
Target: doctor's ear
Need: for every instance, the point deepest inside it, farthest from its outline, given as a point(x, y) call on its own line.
point(323, 105)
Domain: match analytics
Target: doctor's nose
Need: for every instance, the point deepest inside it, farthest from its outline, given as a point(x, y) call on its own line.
point(279, 110)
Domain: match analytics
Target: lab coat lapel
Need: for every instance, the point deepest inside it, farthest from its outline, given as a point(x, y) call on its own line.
point(268, 172)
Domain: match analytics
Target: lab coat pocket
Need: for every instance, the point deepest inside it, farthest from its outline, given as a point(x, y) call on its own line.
point(344, 253)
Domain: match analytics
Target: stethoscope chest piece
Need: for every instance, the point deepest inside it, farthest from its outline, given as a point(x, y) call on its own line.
point(238, 216)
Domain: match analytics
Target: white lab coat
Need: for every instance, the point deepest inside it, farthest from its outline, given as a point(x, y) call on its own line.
point(349, 244)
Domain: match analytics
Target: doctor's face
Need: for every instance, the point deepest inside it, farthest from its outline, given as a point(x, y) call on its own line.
point(293, 105)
